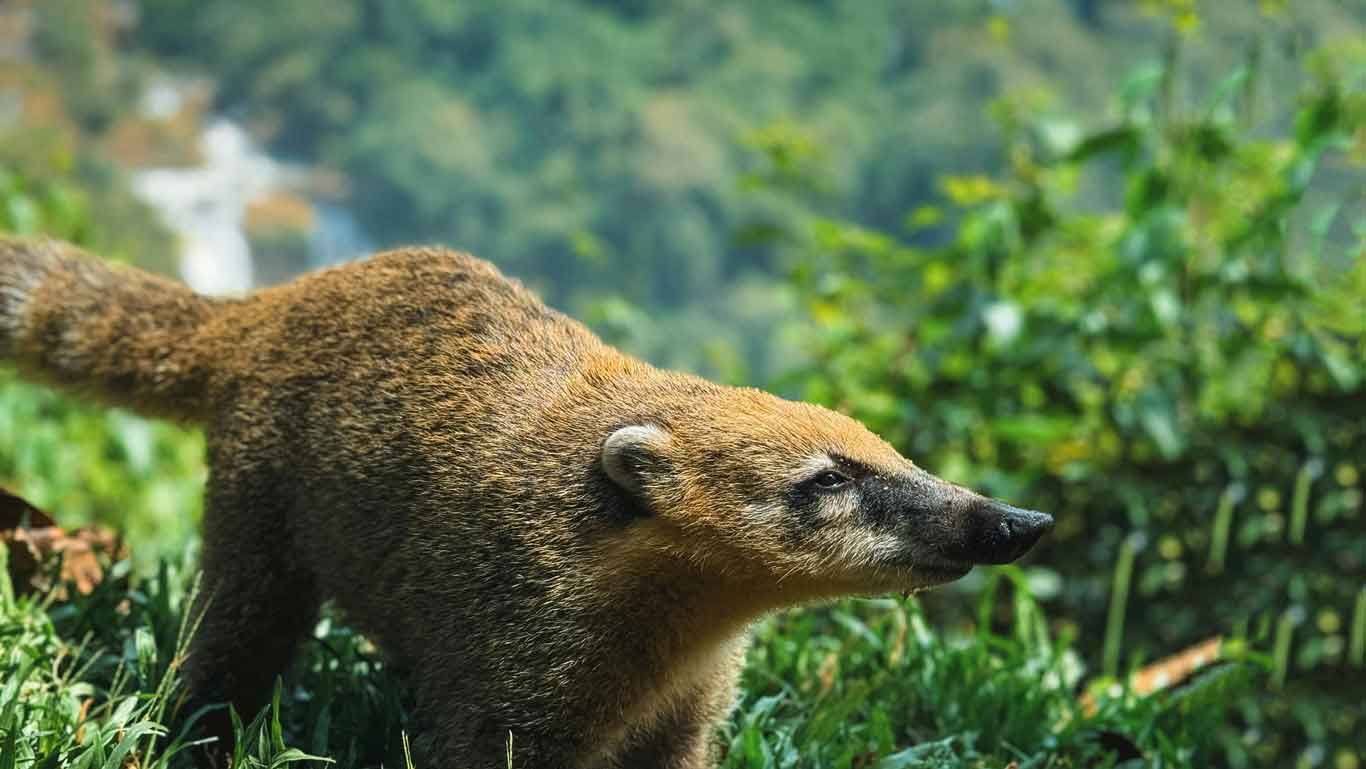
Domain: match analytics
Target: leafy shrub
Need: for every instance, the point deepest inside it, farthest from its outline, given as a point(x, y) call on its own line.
point(1155, 331)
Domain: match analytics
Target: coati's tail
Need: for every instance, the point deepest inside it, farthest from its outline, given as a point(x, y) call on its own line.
point(120, 334)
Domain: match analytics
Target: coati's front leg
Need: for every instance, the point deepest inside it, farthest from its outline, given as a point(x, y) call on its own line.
point(683, 736)
point(459, 727)
point(258, 600)
point(682, 739)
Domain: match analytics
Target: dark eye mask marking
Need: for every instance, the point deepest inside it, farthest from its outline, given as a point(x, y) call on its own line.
point(884, 501)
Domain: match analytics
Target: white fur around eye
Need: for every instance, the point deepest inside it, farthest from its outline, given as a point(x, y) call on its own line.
point(812, 466)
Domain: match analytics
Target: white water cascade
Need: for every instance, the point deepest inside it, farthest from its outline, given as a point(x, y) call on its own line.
point(205, 205)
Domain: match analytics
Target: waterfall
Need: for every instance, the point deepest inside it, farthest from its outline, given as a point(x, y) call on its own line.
point(205, 205)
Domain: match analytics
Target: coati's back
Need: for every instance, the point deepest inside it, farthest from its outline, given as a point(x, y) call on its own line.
point(140, 341)
point(399, 335)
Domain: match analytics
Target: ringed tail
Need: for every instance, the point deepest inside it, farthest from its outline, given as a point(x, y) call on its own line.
point(119, 334)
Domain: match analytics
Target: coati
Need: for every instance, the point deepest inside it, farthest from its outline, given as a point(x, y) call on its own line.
point(568, 543)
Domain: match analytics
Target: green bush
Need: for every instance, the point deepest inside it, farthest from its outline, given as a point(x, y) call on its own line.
point(1155, 330)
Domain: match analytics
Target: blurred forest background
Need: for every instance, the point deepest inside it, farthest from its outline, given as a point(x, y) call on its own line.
point(1098, 257)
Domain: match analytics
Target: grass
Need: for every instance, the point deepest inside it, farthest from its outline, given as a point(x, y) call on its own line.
point(872, 683)
point(869, 683)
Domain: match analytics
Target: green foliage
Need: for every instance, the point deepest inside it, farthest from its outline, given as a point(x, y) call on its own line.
point(57, 100)
point(55, 188)
point(87, 464)
point(1153, 331)
point(94, 702)
point(30, 207)
point(96, 682)
point(72, 32)
point(871, 684)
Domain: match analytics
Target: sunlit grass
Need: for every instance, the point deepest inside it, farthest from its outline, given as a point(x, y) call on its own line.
point(95, 683)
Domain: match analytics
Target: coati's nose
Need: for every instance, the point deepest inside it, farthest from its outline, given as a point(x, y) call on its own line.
point(999, 533)
point(964, 526)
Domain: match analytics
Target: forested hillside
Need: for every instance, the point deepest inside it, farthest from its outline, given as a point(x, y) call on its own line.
point(600, 148)
point(594, 144)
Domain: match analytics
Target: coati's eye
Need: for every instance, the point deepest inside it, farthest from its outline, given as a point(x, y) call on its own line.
point(830, 480)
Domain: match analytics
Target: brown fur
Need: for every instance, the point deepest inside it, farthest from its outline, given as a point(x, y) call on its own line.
point(421, 440)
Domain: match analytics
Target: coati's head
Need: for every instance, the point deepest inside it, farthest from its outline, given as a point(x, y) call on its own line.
point(792, 491)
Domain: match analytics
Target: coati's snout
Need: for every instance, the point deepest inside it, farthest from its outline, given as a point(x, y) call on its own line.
point(918, 521)
point(822, 497)
point(990, 531)
point(1002, 533)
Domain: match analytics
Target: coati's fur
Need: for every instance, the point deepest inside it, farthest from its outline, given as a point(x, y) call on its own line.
point(568, 543)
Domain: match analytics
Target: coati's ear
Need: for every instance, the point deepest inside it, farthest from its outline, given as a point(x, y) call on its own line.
point(632, 453)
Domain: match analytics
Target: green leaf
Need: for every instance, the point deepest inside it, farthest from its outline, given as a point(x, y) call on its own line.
point(1159, 422)
point(1121, 139)
point(294, 755)
point(919, 755)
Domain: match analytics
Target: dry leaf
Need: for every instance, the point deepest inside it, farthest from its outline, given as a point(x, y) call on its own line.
point(1166, 672)
point(1176, 668)
point(32, 537)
